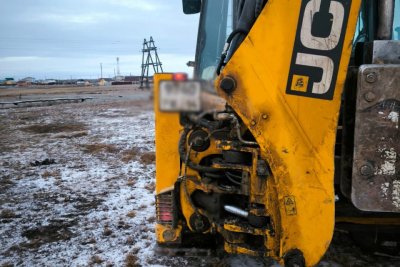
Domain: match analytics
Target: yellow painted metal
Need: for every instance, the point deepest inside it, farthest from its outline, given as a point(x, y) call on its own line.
point(236, 249)
point(297, 136)
point(165, 233)
point(188, 185)
point(167, 129)
point(238, 229)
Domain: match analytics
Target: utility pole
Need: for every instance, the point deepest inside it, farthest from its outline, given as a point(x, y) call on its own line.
point(118, 73)
point(149, 48)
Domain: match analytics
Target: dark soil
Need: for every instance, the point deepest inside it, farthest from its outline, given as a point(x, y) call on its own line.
point(55, 127)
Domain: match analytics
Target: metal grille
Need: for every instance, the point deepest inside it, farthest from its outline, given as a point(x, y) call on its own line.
point(164, 208)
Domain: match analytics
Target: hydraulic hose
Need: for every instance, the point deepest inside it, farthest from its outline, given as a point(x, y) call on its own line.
point(190, 164)
point(226, 48)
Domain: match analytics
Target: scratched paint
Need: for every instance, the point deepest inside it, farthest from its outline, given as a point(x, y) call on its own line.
point(393, 194)
point(385, 190)
point(389, 165)
point(396, 194)
point(394, 117)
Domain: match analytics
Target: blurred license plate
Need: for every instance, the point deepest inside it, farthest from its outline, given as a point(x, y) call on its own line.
point(180, 96)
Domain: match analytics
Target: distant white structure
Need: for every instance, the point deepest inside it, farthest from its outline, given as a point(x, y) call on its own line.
point(119, 78)
point(81, 82)
point(49, 82)
point(28, 79)
point(118, 73)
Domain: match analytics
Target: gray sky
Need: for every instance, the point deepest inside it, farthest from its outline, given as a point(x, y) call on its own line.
point(60, 39)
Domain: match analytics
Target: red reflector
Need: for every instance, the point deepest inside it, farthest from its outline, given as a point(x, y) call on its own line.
point(164, 208)
point(179, 76)
point(165, 215)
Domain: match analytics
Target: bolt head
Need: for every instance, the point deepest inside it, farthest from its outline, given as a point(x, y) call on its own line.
point(261, 170)
point(371, 77)
point(253, 123)
point(228, 85)
point(169, 235)
point(265, 116)
point(370, 96)
point(366, 170)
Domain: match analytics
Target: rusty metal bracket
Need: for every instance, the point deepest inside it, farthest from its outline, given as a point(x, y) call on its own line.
point(376, 164)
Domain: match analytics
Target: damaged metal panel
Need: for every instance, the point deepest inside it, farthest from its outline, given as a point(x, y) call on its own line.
point(376, 165)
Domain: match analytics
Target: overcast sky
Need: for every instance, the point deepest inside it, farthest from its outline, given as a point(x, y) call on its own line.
point(64, 39)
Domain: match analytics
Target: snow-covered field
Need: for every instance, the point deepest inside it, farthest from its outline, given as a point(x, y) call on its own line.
point(90, 198)
point(76, 189)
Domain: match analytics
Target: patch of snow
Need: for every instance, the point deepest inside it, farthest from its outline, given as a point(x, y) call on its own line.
point(105, 205)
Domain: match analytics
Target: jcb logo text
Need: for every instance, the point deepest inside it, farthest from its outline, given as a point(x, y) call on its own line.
point(317, 48)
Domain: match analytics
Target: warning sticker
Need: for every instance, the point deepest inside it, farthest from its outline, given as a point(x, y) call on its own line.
point(300, 83)
point(290, 205)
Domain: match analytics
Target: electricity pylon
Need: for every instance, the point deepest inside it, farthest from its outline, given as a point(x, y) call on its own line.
point(149, 51)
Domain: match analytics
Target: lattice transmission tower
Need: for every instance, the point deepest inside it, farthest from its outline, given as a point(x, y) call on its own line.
point(149, 52)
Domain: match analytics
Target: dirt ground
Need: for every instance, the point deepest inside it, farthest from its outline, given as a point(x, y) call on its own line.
point(77, 187)
point(29, 91)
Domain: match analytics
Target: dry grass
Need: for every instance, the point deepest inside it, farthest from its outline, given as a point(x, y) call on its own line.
point(130, 241)
point(131, 182)
point(130, 154)
point(148, 158)
point(131, 214)
point(48, 90)
point(55, 128)
point(29, 117)
point(55, 173)
point(6, 182)
point(135, 153)
point(151, 219)
point(72, 135)
point(3, 127)
point(131, 260)
point(97, 148)
point(150, 187)
point(107, 231)
point(7, 214)
point(96, 259)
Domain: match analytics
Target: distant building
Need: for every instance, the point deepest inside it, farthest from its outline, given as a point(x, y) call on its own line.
point(127, 80)
point(119, 78)
point(132, 79)
point(22, 83)
point(28, 79)
point(102, 82)
point(49, 82)
point(9, 81)
point(81, 82)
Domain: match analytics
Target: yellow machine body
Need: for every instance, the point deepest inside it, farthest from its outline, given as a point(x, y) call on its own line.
point(296, 134)
point(293, 118)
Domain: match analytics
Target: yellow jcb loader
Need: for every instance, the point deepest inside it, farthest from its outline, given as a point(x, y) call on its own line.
point(289, 127)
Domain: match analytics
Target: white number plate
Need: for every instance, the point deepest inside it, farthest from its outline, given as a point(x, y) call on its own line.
point(180, 96)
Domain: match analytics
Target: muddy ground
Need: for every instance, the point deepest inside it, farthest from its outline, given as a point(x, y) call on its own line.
point(77, 184)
